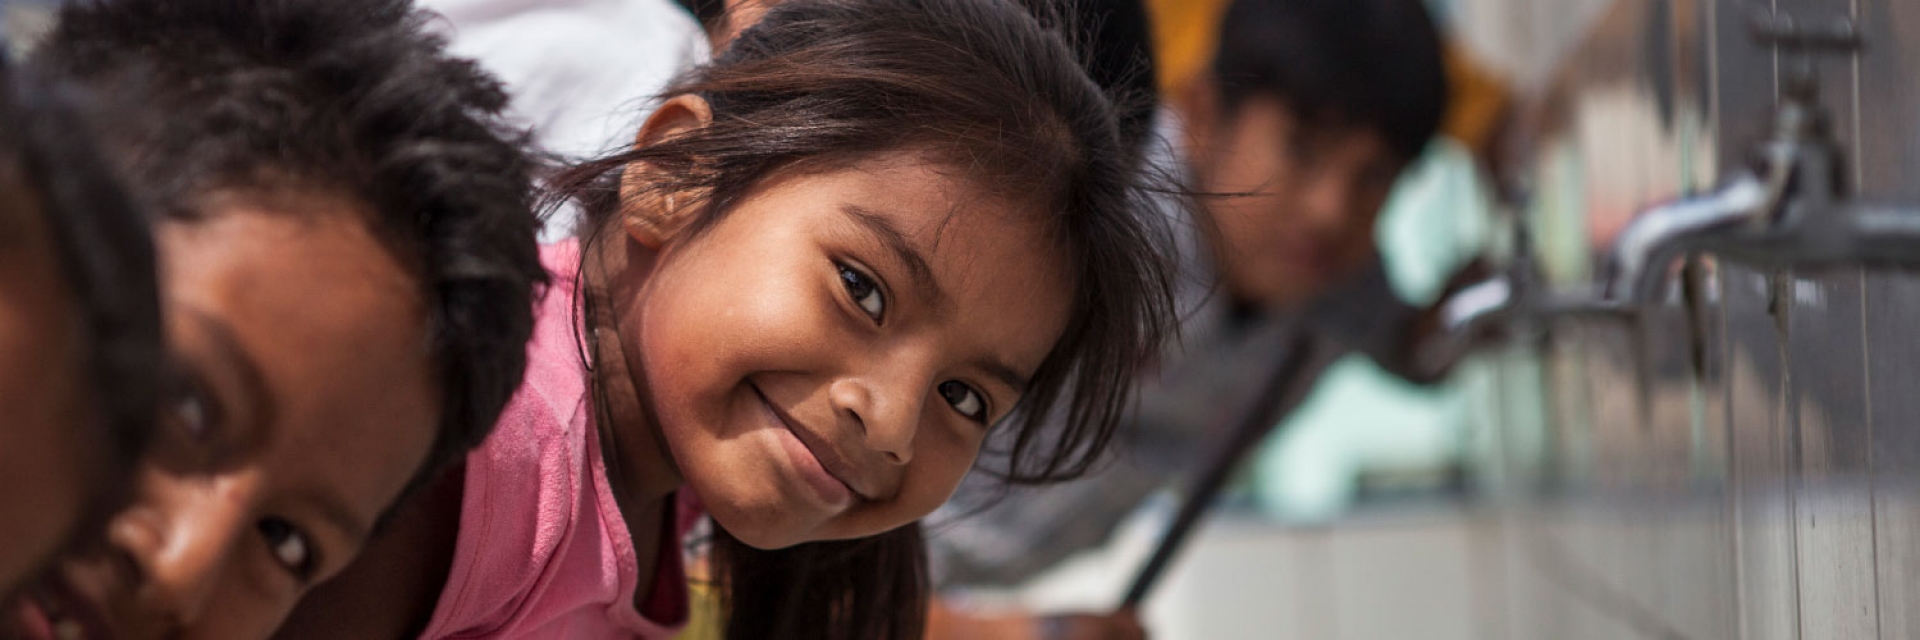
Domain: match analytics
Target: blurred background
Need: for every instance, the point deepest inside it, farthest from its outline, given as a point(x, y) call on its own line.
point(22, 20)
point(1733, 457)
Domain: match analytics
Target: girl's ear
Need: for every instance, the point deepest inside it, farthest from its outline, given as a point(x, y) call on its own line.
point(652, 217)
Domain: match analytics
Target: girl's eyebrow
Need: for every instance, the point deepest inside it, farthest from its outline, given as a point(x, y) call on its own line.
point(1006, 375)
point(889, 234)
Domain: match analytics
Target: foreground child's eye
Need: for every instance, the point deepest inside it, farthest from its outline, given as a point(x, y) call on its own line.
point(865, 293)
point(289, 546)
point(192, 409)
point(964, 400)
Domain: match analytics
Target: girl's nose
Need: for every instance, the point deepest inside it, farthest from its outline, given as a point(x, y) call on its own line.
point(885, 413)
point(181, 536)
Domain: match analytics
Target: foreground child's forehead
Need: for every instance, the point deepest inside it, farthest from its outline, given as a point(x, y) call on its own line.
point(329, 329)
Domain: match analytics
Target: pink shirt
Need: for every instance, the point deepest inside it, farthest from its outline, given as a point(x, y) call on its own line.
point(543, 551)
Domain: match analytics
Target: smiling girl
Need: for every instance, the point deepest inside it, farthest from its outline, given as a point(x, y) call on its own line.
point(835, 260)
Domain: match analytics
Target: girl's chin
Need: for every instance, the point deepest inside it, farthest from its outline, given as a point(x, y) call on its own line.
point(759, 526)
point(759, 538)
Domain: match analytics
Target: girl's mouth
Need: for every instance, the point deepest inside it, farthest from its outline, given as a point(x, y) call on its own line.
point(810, 462)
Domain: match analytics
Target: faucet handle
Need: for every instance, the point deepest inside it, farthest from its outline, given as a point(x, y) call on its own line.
point(1801, 42)
point(1838, 35)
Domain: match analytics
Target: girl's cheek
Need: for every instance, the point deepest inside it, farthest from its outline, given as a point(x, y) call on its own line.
point(952, 456)
point(791, 327)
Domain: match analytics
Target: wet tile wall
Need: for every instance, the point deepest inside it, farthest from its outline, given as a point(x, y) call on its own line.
point(1743, 459)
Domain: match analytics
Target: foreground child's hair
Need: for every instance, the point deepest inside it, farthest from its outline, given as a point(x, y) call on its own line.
point(348, 99)
point(983, 87)
point(104, 248)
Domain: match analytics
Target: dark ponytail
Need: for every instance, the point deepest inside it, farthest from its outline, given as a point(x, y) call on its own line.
point(872, 588)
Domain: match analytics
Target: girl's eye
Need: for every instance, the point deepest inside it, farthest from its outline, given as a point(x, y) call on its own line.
point(289, 546)
point(964, 400)
point(865, 293)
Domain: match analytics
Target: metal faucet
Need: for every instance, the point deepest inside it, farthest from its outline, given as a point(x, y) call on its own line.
point(1791, 208)
point(1637, 264)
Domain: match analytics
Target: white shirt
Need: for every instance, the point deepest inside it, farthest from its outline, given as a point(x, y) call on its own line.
point(583, 74)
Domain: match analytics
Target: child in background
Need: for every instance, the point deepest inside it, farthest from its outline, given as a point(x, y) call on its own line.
point(80, 368)
point(345, 236)
point(1307, 112)
point(833, 261)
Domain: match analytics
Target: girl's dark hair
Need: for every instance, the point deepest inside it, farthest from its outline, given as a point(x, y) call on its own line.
point(985, 88)
point(345, 98)
point(104, 249)
point(1114, 35)
point(1115, 41)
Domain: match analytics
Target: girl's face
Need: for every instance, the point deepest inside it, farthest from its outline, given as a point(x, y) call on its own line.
point(54, 460)
point(825, 361)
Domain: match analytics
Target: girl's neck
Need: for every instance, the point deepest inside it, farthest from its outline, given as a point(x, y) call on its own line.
point(639, 465)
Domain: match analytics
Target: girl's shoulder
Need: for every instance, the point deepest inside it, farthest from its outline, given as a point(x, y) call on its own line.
point(554, 389)
point(524, 484)
point(534, 459)
point(519, 509)
point(547, 414)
